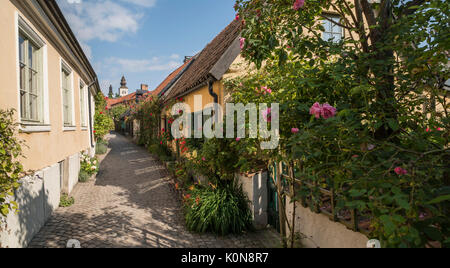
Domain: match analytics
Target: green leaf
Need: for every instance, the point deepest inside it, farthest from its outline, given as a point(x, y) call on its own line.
point(439, 199)
point(433, 233)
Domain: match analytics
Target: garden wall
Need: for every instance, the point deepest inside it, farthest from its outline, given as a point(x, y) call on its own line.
point(38, 197)
point(321, 231)
point(255, 186)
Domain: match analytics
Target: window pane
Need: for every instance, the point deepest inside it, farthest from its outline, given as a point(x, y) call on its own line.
point(23, 104)
point(66, 98)
point(33, 107)
point(30, 55)
point(22, 76)
point(30, 64)
point(21, 49)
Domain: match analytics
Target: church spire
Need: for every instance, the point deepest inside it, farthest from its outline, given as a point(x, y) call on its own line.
point(110, 94)
point(123, 83)
point(123, 90)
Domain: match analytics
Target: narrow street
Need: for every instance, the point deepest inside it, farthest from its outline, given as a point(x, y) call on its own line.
point(131, 204)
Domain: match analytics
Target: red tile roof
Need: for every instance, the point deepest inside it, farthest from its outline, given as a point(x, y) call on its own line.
point(199, 70)
point(169, 79)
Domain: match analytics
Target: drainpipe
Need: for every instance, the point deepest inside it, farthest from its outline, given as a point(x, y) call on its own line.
point(216, 98)
point(211, 91)
point(91, 130)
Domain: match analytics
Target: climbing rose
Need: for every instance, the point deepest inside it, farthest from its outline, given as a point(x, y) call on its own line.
point(237, 16)
point(266, 90)
point(238, 139)
point(316, 110)
point(328, 111)
point(295, 130)
point(267, 115)
point(400, 171)
point(298, 4)
point(242, 41)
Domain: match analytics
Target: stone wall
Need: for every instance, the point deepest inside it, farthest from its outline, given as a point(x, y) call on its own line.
point(321, 232)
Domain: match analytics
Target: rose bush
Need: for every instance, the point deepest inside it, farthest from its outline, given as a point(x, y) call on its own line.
point(366, 115)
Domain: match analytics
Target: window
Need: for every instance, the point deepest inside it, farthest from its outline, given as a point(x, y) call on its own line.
point(333, 32)
point(31, 77)
point(67, 96)
point(83, 104)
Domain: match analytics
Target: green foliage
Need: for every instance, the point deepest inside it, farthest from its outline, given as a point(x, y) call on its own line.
point(101, 147)
point(10, 168)
point(223, 210)
point(83, 176)
point(117, 111)
point(162, 151)
point(386, 81)
point(103, 123)
point(148, 114)
point(66, 201)
point(89, 165)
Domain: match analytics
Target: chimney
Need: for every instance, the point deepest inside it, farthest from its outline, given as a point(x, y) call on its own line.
point(187, 58)
point(144, 87)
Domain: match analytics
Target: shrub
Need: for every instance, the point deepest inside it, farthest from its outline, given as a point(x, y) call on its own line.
point(163, 152)
point(224, 210)
point(83, 176)
point(101, 147)
point(11, 169)
point(89, 165)
point(66, 201)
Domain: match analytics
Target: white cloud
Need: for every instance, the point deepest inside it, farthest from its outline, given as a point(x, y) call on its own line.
point(116, 65)
point(144, 3)
point(103, 20)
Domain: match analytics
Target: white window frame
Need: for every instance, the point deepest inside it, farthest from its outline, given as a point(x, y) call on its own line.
point(22, 27)
point(325, 21)
point(83, 104)
point(72, 125)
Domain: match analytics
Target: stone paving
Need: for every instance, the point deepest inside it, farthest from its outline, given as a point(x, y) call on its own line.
point(131, 204)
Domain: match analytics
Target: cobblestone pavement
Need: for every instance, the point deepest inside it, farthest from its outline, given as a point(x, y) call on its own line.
point(131, 204)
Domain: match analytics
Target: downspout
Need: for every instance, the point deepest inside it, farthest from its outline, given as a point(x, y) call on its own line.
point(211, 91)
point(91, 130)
point(216, 98)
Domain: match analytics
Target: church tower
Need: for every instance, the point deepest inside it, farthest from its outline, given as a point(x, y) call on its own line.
point(110, 94)
point(123, 90)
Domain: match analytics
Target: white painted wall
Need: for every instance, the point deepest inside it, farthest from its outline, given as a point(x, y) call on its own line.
point(321, 231)
point(38, 197)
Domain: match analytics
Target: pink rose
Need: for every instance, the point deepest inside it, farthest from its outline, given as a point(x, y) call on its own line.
point(242, 42)
point(295, 130)
point(238, 139)
point(203, 159)
point(267, 115)
point(328, 111)
point(316, 110)
point(237, 16)
point(298, 4)
point(400, 171)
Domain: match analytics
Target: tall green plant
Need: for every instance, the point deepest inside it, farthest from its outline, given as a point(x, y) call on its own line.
point(10, 167)
point(103, 123)
point(220, 210)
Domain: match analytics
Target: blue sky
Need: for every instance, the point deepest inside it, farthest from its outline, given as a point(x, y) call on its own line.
point(145, 40)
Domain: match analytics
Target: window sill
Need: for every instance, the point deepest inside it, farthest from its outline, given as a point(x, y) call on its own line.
point(34, 128)
point(69, 128)
point(84, 128)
